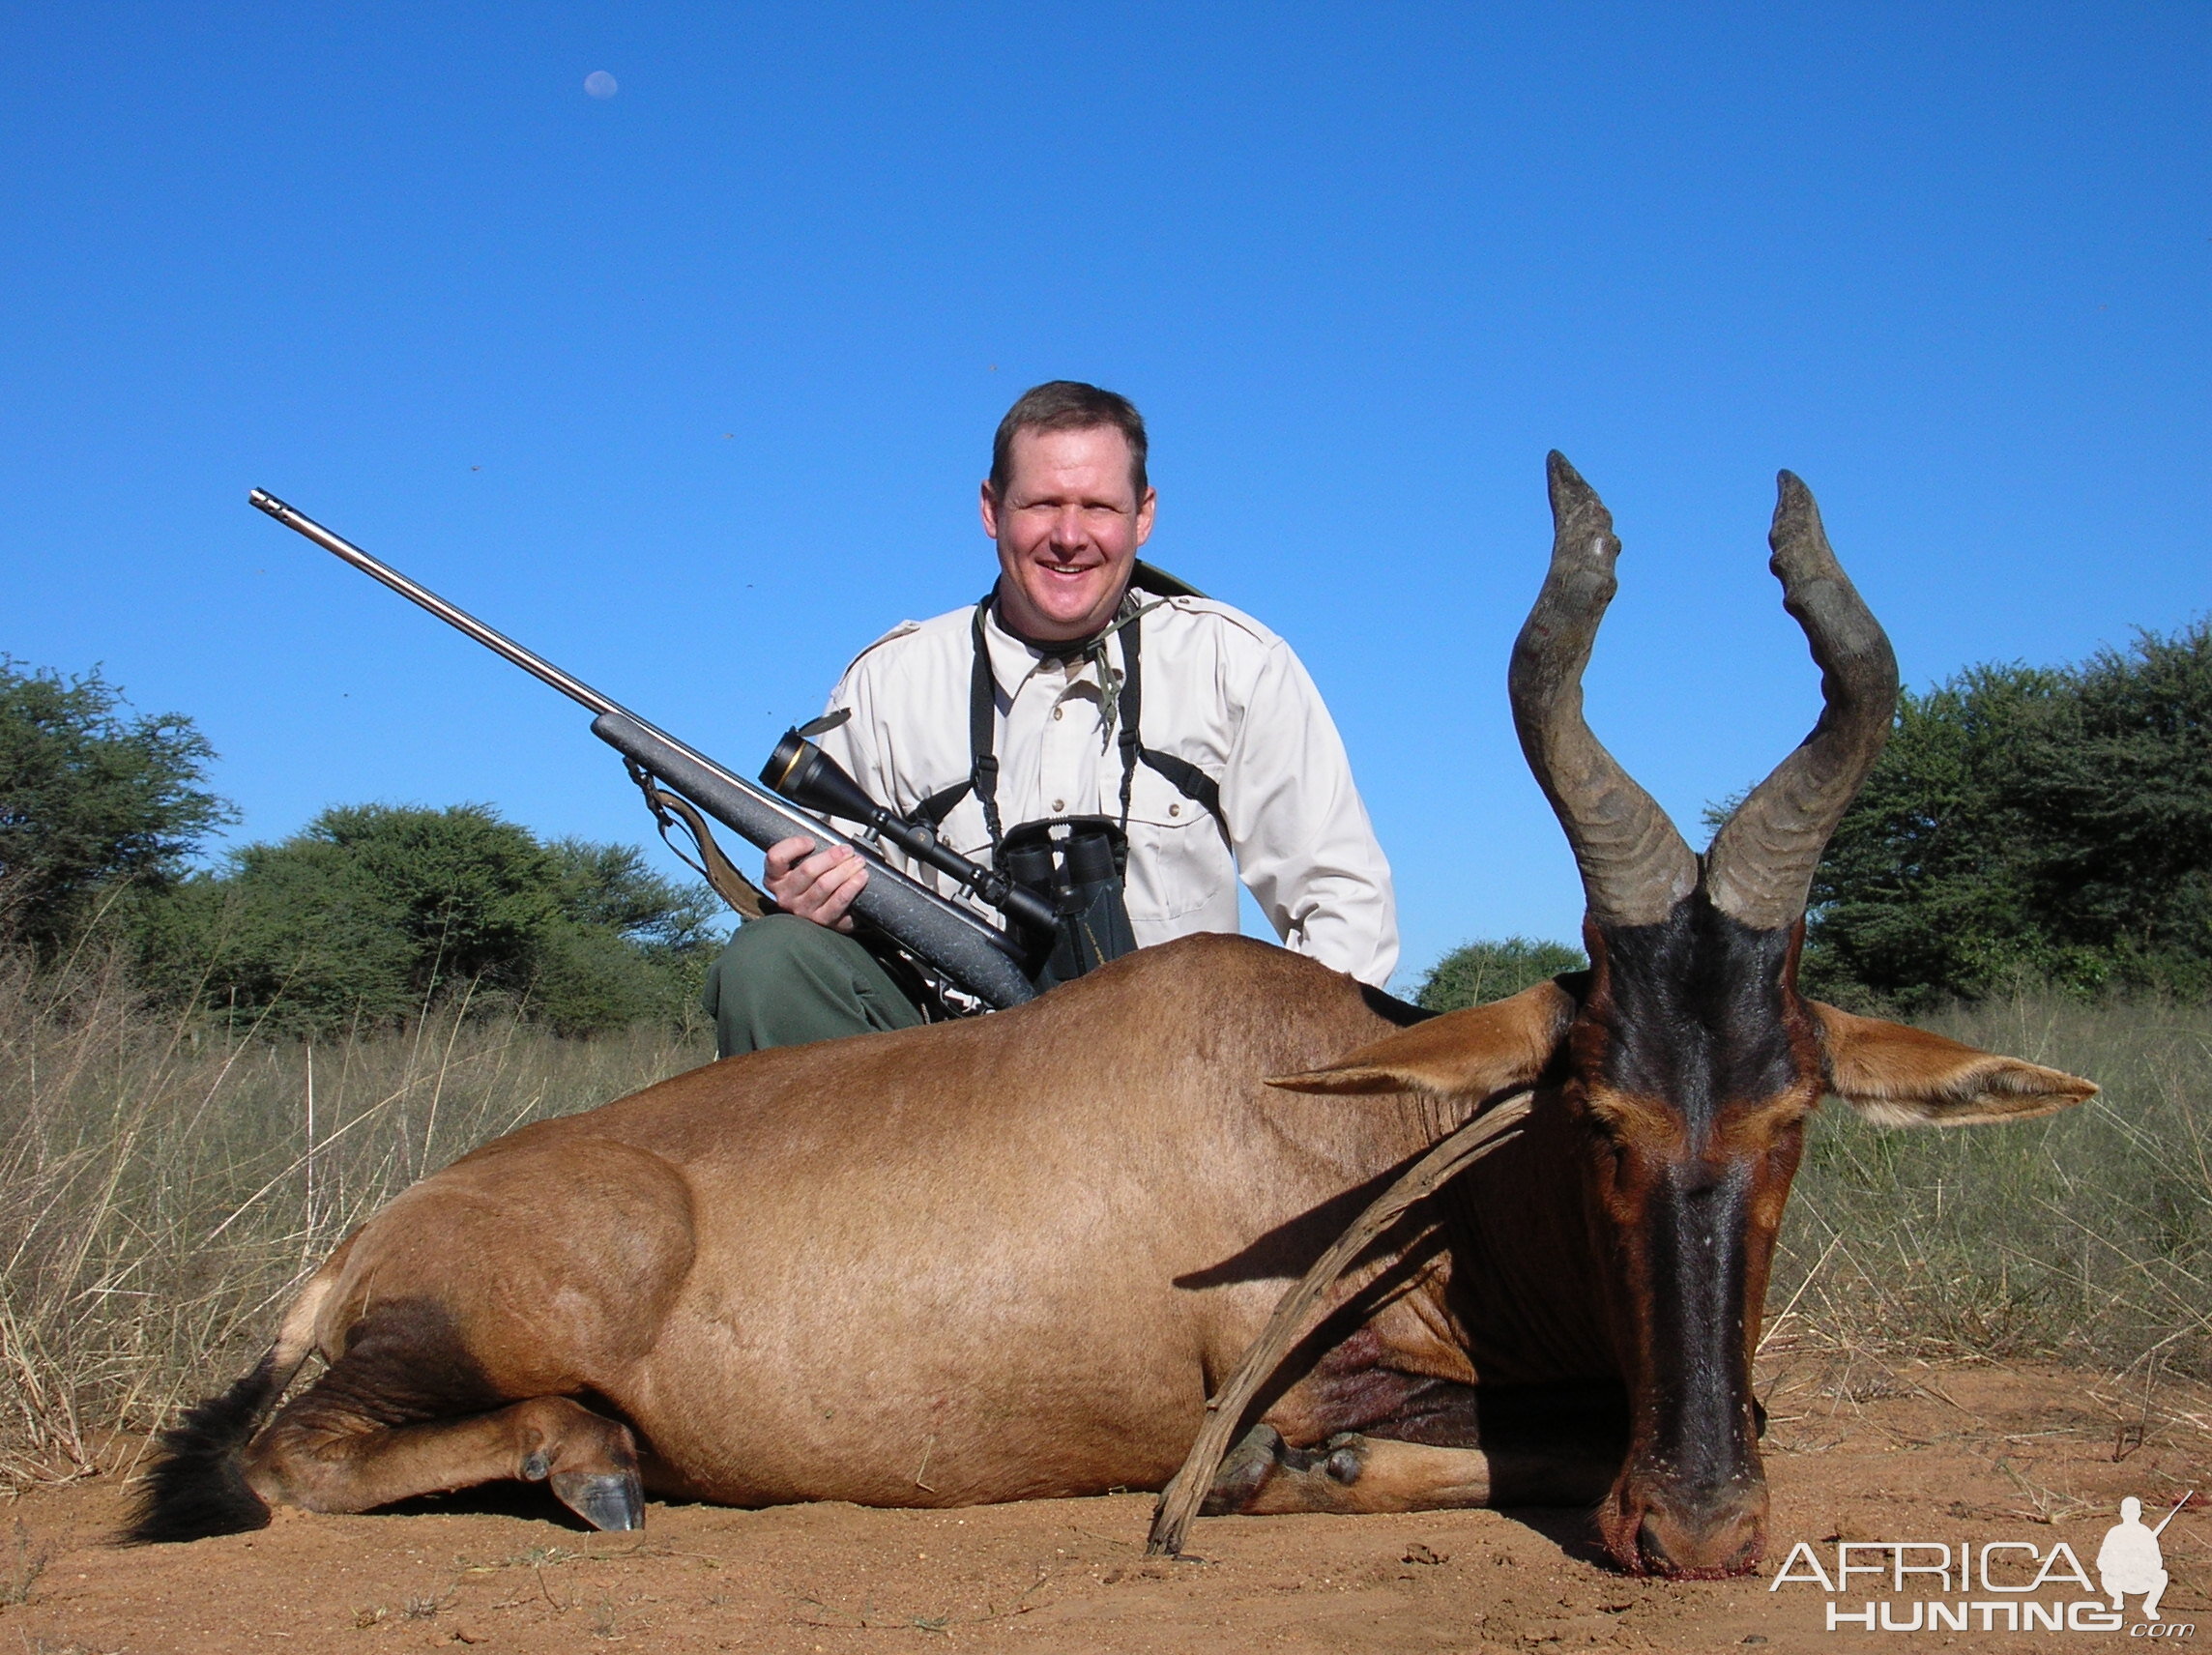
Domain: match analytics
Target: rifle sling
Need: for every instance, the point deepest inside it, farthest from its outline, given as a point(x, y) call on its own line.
point(673, 809)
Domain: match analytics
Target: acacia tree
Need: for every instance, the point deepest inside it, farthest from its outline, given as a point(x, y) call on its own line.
point(91, 800)
point(1476, 974)
point(370, 912)
point(2041, 824)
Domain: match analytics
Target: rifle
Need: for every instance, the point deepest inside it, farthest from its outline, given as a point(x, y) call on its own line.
point(945, 936)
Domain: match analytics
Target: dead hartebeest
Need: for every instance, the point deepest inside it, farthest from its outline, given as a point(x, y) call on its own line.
point(1010, 1257)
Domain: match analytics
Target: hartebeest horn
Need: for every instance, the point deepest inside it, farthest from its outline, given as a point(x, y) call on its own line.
point(1635, 865)
point(1761, 866)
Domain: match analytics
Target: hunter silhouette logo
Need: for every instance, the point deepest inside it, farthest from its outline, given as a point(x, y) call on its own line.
point(2130, 1561)
point(2002, 1585)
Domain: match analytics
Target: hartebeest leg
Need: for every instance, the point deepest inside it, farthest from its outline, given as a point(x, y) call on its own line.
point(1264, 1476)
point(327, 1459)
point(1390, 1442)
point(1354, 1474)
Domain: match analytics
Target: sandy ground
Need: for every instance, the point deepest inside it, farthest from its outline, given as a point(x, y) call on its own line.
point(1954, 1453)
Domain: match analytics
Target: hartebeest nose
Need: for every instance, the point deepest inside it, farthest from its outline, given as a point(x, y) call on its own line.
point(1703, 1534)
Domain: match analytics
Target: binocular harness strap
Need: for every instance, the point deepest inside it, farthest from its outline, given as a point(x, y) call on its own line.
point(982, 780)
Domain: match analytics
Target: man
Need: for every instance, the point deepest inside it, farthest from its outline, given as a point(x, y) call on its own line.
point(1086, 689)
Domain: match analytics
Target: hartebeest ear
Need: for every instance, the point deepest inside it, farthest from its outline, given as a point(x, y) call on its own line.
point(1897, 1076)
point(1475, 1053)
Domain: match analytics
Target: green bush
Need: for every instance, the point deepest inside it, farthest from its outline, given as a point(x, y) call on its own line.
point(1476, 974)
point(372, 912)
point(2031, 824)
point(366, 917)
point(91, 801)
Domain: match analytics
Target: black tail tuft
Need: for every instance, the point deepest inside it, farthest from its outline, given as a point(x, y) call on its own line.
point(198, 1486)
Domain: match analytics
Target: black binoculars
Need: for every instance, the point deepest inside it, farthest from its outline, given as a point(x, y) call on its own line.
point(806, 775)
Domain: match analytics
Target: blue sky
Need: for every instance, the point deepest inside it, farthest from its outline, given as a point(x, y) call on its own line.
point(689, 388)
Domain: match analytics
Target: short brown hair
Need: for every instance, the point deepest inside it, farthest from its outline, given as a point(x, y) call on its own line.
point(1070, 405)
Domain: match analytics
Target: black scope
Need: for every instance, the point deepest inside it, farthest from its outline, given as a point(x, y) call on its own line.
point(807, 776)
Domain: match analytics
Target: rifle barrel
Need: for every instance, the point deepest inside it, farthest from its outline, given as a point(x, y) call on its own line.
point(537, 666)
point(950, 937)
point(2175, 1513)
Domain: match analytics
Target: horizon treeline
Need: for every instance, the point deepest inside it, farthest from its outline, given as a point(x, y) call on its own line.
point(2024, 826)
point(364, 918)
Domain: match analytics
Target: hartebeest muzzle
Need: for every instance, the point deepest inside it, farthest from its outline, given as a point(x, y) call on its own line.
point(1693, 1060)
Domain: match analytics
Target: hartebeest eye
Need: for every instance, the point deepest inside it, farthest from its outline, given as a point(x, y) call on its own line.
point(1628, 1122)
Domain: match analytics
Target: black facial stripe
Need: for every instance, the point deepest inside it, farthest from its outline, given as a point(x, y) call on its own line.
point(1696, 1012)
point(1697, 1228)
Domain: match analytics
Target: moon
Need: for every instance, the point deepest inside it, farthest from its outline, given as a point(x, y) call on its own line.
point(600, 84)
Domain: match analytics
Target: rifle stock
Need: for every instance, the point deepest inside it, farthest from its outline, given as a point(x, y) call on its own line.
point(947, 938)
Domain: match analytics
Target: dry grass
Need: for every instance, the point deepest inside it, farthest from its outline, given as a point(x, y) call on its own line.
point(157, 1195)
point(2084, 1237)
point(160, 1189)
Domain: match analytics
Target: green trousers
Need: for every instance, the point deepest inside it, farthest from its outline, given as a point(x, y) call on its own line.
point(784, 981)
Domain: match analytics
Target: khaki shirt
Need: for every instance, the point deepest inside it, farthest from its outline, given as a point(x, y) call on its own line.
point(1218, 690)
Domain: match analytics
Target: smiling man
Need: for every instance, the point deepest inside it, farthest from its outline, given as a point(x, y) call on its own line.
point(1088, 700)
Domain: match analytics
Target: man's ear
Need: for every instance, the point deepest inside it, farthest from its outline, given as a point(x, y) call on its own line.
point(1477, 1052)
point(1897, 1076)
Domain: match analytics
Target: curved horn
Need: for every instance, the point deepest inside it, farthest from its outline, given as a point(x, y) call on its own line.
point(1761, 865)
point(1635, 865)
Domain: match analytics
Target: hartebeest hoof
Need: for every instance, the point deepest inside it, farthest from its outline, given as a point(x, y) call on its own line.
point(605, 1489)
point(604, 1500)
point(1245, 1471)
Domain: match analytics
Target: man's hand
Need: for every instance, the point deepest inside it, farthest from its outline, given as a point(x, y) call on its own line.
point(817, 884)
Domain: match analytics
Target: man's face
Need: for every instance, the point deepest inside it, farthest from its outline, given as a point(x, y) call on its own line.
point(1068, 527)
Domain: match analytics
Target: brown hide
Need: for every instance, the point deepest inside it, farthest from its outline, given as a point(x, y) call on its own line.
point(975, 1262)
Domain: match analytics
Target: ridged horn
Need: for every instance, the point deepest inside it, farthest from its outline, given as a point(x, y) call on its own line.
point(1633, 864)
point(1761, 866)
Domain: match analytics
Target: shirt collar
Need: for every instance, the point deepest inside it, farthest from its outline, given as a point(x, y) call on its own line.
point(1015, 660)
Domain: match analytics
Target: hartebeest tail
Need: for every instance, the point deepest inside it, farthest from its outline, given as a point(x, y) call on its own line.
point(197, 1486)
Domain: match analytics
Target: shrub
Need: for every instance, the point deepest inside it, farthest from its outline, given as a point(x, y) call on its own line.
point(2031, 824)
point(90, 800)
point(372, 912)
point(1474, 973)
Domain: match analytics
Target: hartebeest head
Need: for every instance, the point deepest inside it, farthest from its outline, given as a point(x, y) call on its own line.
point(1687, 1066)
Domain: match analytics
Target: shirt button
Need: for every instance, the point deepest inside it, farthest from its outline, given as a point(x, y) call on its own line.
point(1175, 810)
point(1056, 713)
point(1059, 806)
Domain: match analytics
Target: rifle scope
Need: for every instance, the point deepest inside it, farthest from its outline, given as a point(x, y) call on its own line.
point(806, 775)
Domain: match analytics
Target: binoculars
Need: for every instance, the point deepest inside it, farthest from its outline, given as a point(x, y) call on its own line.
point(807, 776)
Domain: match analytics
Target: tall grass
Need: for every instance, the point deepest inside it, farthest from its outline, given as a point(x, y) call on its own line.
point(158, 1193)
point(162, 1183)
point(2086, 1236)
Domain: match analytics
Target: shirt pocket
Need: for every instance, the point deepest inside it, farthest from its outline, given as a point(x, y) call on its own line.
point(1178, 860)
